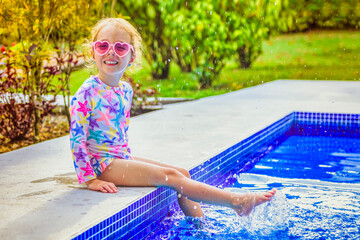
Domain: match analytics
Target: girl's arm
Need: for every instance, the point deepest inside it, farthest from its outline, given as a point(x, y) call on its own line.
point(80, 111)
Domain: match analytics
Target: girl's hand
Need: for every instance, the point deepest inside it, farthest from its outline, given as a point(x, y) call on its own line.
point(99, 185)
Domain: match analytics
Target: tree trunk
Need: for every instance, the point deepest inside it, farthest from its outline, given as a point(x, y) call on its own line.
point(245, 57)
point(205, 82)
point(37, 99)
point(161, 71)
point(185, 67)
point(66, 106)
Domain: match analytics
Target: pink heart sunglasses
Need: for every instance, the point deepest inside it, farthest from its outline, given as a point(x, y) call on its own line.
point(119, 48)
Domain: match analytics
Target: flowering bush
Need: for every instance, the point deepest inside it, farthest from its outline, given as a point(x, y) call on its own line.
point(16, 113)
point(20, 102)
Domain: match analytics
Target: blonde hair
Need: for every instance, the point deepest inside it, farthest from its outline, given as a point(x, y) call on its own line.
point(135, 39)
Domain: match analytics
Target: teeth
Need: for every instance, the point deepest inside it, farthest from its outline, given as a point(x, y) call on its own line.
point(110, 62)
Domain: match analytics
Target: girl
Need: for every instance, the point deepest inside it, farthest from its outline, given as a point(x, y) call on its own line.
point(100, 113)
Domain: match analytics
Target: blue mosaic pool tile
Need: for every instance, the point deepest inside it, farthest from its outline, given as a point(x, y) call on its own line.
point(329, 124)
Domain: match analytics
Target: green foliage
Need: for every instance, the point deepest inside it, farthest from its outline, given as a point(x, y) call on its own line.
point(148, 17)
point(78, 17)
point(21, 92)
point(205, 35)
point(200, 38)
point(66, 62)
point(301, 15)
point(313, 55)
point(16, 114)
point(247, 26)
point(43, 29)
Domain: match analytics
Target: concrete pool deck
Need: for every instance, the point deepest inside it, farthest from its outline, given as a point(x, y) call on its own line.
point(41, 198)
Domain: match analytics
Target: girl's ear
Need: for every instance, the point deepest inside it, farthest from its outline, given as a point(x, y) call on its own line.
point(92, 54)
point(132, 58)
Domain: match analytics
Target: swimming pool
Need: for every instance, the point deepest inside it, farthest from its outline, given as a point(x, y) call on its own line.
point(318, 195)
point(143, 216)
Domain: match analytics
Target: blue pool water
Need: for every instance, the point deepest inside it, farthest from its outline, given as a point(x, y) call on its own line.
point(318, 196)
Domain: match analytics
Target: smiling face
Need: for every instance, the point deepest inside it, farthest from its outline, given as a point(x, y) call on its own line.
point(110, 66)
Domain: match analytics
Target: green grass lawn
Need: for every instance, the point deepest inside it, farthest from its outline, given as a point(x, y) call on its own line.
point(316, 55)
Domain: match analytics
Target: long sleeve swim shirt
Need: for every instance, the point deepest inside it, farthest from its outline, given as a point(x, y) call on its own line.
point(100, 117)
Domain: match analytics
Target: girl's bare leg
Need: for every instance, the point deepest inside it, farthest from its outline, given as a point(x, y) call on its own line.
point(189, 208)
point(135, 173)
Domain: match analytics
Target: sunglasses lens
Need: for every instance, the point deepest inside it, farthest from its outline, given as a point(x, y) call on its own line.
point(121, 48)
point(101, 47)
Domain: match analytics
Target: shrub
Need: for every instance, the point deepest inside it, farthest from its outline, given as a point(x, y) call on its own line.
point(23, 88)
point(301, 15)
point(16, 112)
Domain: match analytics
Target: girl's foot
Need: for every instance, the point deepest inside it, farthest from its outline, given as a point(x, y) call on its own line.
point(245, 203)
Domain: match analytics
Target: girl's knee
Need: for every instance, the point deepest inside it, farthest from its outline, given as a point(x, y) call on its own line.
point(184, 172)
point(172, 174)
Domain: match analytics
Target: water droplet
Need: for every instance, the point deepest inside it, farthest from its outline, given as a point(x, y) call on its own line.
point(166, 178)
point(195, 207)
point(179, 195)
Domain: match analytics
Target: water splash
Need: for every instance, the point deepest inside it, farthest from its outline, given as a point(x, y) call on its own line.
point(223, 223)
point(266, 219)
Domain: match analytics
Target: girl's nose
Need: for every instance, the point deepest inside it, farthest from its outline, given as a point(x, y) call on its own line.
point(111, 50)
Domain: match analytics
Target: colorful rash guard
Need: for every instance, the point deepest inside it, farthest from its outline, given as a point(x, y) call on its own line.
point(100, 117)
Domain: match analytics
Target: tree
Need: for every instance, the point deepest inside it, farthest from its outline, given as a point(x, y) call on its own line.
point(248, 23)
point(149, 18)
point(205, 35)
point(199, 39)
point(302, 15)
